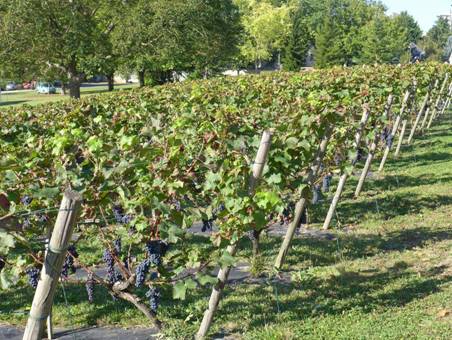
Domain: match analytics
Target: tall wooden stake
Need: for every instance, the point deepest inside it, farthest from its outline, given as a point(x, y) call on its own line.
point(372, 150)
point(345, 174)
point(418, 117)
point(429, 105)
point(222, 277)
point(438, 101)
point(395, 128)
point(302, 203)
point(402, 134)
point(50, 273)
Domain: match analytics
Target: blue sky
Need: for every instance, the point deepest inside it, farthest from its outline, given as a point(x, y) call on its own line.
point(424, 11)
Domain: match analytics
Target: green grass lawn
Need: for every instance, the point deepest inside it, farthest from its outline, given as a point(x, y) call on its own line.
point(387, 275)
point(33, 98)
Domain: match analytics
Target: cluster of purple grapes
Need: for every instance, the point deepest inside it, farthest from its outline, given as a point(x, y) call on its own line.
point(286, 214)
point(33, 276)
point(326, 183)
point(43, 218)
point(387, 137)
point(155, 250)
point(90, 287)
point(208, 224)
point(153, 295)
point(112, 275)
point(69, 262)
point(26, 200)
point(119, 215)
point(316, 194)
point(338, 159)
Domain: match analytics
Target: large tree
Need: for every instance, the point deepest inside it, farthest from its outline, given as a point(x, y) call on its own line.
point(159, 37)
point(436, 40)
point(266, 28)
point(54, 38)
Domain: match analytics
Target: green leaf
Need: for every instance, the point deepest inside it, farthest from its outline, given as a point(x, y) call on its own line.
point(179, 291)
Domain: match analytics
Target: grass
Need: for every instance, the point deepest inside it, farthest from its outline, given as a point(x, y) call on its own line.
point(386, 275)
point(17, 98)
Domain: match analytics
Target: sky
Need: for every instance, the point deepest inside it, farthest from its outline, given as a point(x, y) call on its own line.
point(424, 11)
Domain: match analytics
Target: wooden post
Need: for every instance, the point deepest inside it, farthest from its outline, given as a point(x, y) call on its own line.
point(402, 134)
point(344, 176)
point(447, 103)
point(222, 277)
point(438, 101)
point(49, 318)
point(50, 273)
point(395, 128)
point(372, 150)
point(302, 203)
point(418, 117)
point(429, 105)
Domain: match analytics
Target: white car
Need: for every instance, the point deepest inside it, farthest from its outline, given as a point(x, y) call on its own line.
point(11, 86)
point(45, 88)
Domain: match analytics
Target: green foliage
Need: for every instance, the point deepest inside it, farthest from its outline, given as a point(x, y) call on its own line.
point(186, 145)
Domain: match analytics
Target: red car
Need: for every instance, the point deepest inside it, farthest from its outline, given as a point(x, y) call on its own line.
point(28, 85)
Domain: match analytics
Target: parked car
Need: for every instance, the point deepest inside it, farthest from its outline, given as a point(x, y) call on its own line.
point(45, 88)
point(10, 86)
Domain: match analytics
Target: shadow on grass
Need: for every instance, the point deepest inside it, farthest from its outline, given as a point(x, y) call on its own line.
point(13, 102)
point(338, 294)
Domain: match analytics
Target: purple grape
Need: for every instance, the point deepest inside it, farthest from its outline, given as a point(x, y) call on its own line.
point(153, 295)
point(26, 200)
point(33, 276)
point(141, 272)
point(117, 245)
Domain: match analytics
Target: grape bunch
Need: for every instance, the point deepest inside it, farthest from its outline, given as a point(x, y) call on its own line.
point(141, 272)
point(208, 224)
point(326, 183)
point(155, 250)
point(119, 215)
point(112, 275)
point(69, 261)
point(26, 200)
point(117, 244)
point(90, 287)
point(287, 214)
point(33, 276)
point(153, 295)
point(337, 159)
point(316, 194)
point(387, 137)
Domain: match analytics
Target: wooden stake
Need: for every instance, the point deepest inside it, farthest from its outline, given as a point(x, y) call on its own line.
point(302, 203)
point(418, 117)
point(402, 134)
point(372, 150)
point(50, 273)
point(222, 277)
point(344, 176)
point(395, 128)
point(438, 101)
point(429, 105)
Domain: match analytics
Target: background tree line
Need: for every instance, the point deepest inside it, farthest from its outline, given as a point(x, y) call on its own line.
point(156, 39)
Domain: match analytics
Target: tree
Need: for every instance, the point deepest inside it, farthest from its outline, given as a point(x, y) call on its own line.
point(266, 28)
point(410, 25)
point(54, 38)
point(301, 37)
point(159, 37)
point(436, 40)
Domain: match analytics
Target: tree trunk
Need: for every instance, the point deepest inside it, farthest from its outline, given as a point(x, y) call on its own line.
point(111, 82)
point(141, 77)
